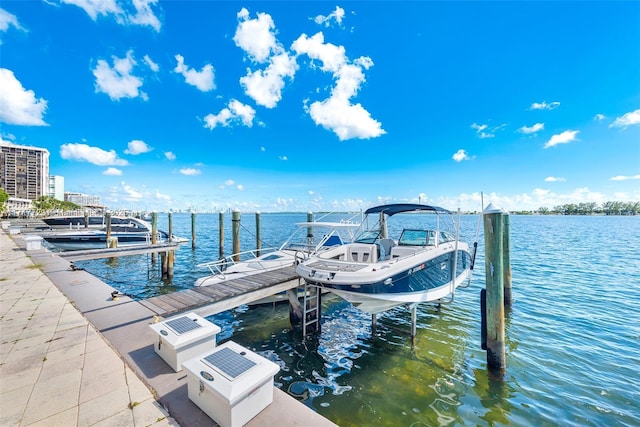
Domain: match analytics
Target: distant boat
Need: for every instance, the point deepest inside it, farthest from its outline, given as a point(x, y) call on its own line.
point(129, 231)
point(376, 273)
point(308, 239)
point(79, 221)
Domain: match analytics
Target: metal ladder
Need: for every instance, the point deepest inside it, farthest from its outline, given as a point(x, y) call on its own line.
point(311, 310)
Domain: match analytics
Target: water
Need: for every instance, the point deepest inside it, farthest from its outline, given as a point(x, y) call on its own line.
point(572, 335)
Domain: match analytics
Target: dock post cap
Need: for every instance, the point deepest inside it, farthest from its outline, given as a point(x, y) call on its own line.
point(491, 209)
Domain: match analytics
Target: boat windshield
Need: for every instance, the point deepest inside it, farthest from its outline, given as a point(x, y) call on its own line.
point(368, 236)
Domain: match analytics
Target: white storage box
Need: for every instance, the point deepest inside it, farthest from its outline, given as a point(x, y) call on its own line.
point(184, 337)
point(14, 230)
point(230, 384)
point(33, 243)
point(6, 225)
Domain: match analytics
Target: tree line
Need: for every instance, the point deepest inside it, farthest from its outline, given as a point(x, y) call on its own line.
point(592, 208)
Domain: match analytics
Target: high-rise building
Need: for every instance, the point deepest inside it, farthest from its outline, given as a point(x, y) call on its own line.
point(56, 187)
point(24, 171)
point(82, 199)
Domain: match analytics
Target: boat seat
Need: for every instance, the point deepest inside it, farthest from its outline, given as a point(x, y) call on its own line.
point(385, 248)
point(361, 252)
point(400, 251)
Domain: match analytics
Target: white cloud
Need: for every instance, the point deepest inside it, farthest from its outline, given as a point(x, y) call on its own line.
point(347, 121)
point(337, 16)
point(234, 113)
point(19, 106)
point(162, 197)
point(599, 117)
point(143, 14)
point(131, 193)
point(491, 132)
point(284, 158)
point(627, 119)
point(240, 187)
point(112, 172)
point(544, 105)
point(461, 155)
point(117, 81)
point(137, 147)
point(190, 171)
point(256, 36)
point(93, 155)
point(624, 178)
point(203, 79)
point(169, 155)
point(563, 138)
point(531, 129)
point(265, 86)
point(337, 113)
point(332, 57)
point(9, 20)
point(152, 65)
point(229, 182)
point(554, 179)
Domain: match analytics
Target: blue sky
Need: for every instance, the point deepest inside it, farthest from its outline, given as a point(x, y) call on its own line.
point(327, 106)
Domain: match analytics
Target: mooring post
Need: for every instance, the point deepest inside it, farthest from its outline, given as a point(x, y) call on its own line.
point(163, 264)
point(221, 234)
point(414, 320)
point(310, 229)
point(193, 230)
point(171, 258)
point(506, 261)
point(107, 219)
point(374, 322)
point(493, 243)
point(235, 232)
point(170, 226)
point(112, 242)
point(154, 228)
point(258, 234)
point(86, 219)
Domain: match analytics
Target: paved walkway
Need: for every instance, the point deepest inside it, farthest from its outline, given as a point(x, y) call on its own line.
point(55, 369)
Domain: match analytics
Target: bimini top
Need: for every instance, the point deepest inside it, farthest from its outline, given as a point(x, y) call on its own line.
point(404, 207)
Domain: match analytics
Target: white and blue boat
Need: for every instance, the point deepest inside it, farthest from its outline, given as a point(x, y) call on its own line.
point(425, 263)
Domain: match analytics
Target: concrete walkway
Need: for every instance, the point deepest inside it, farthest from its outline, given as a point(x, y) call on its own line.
point(55, 369)
point(70, 354)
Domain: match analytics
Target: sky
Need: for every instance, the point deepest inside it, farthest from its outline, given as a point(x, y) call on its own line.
point(304, 106)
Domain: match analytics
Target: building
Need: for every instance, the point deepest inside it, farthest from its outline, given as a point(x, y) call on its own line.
point(24, 171)
point(56, 187)
point(82, 199)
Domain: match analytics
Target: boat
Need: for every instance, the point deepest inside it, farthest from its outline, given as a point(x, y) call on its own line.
point(308, 239)
point(375, 273)
point(77, 221)
point(128, 231)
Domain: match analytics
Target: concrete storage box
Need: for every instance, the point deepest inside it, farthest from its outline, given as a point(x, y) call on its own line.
point(184, 337)
point(33, 243)
point(231, 384)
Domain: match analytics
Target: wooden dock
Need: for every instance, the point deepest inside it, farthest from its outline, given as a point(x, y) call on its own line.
point(82, 255)
point(208, 300)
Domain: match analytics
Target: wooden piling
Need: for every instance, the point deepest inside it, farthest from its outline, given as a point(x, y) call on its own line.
point(193, 230)
point(493, 243)
point(310, 229)
point(86, 219)
point(107, 219)
point(506, 261)
point(258, 244)
point(154, 233)
point(235, 232)
point(154, 228)
point(170, 219)
point(221, 234)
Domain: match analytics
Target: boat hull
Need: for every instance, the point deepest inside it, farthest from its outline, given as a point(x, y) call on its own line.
point(393, 284)
point(96, 241)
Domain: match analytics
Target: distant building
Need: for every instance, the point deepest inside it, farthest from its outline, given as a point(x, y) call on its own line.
point(56, 187)
point(82, 199)
point(24, 171)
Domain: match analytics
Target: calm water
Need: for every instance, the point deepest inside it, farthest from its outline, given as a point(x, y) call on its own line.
point(573, 334)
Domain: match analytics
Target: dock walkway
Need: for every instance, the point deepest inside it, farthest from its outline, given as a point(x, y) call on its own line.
point(35, 388)
point(209, 300)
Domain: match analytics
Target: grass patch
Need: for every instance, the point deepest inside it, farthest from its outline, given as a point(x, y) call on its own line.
point(38, 265)
point(133, 404)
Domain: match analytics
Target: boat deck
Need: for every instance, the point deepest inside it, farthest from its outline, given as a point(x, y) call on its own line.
point(208, 300)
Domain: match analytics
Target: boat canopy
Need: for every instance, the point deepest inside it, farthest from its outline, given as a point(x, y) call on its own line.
point(396, 208)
